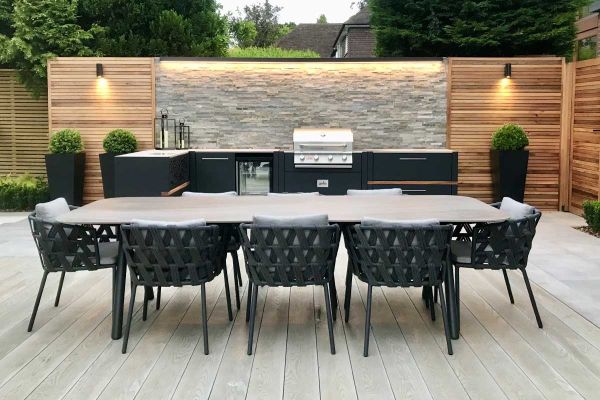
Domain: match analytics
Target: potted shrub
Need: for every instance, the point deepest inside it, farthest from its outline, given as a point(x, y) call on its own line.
point(116, 142)
point(509, 162)
point(65, 166)
point(591, 214)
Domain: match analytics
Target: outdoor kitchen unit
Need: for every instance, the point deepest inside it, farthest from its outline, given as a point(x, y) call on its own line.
point(322, 148)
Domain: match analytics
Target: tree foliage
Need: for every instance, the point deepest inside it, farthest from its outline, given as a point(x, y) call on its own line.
point(264, 19)
point(322, 19)
point(42, 29)
point(243, 32)
point(474, 27)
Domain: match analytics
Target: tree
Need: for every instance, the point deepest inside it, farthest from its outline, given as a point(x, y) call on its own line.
point(6, 18)
point(42, 29)
point(322, 19)
point(243, 32)
point(474, 27)
point(360, 4)
point(265, 19)
point(155, 27)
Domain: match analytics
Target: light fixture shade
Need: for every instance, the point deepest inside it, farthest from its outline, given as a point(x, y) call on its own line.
point(99, 70)
point(507, 70)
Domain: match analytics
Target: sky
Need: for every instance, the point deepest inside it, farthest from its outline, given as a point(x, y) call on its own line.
point(300, 11)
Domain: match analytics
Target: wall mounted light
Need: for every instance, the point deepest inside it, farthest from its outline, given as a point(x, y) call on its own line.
point(99, 71)
point(507, 70)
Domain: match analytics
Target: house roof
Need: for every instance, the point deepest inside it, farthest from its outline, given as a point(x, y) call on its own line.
point(317, 37)
point(363, 17)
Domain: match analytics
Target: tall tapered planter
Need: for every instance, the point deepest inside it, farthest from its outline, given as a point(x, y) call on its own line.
point(107, 167)
point(509, 173)
point(65, 176)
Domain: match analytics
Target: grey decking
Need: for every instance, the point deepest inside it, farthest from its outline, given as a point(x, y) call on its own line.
point(501, 353)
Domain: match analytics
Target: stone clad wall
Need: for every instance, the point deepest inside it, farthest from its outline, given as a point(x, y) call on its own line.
point(231, 104)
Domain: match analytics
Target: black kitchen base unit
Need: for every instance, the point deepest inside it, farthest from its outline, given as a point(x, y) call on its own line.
point(152, 173)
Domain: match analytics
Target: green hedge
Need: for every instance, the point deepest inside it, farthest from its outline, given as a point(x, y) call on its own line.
point(22, 193)
point(270, 52)
point(591, 213)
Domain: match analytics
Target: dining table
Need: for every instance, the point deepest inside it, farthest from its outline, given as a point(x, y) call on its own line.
point(233, 210)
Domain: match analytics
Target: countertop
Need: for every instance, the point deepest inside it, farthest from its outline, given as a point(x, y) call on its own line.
point(175, 153)
point(156, 153)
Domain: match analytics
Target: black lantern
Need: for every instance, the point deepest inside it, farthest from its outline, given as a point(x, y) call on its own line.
point(164, 131)
point(507, 70)
point(183, 135)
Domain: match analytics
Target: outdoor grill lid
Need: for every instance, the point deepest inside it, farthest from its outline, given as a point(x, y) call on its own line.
point(323, 135)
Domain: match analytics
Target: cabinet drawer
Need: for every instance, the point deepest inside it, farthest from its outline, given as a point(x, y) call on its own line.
point(214, 172)
point(412, 167)
point(419, 189)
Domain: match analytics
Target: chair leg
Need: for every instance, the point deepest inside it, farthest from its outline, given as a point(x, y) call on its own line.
point(227, 294)
point(145, 308)
point(457, 286)
point(431, 303)
point(532, 299)
point(445, 319)
point(333, 296)
point(204, 318)
point(425, 293)
point(249, 301)
point(510, 294)
point(128, 326)
point(329, 318)
point(368, 321)
point(37, 301)
point(348, 293)
point(60, 285)
point(158, 298)
point(252, 318)
point(236, 268)
point(435, 296)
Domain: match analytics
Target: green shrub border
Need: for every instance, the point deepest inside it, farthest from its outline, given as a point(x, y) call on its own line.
point(591, 213)
point(22, 193)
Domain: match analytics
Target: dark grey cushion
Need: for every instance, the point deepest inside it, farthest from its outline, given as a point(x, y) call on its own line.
point(203, 194)
point(146, 223)
point(299, 194)
point(515, 209)
point(461, 252)
point(51, 210)
point(375, 192)
point(301, 220)
point(417, 223)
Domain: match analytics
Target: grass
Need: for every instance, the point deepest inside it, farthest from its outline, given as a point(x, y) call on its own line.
point(270, 52)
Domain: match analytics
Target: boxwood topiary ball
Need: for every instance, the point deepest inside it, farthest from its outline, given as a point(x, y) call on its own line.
point(510, 137)
point(120, 141)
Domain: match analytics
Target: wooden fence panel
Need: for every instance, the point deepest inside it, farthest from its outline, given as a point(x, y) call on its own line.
point(23, 128)
point(585, 171)
point(123, 98)
point(480, 100)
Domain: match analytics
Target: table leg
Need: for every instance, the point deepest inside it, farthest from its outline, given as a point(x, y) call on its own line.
point(119, 296)
point(451, 303)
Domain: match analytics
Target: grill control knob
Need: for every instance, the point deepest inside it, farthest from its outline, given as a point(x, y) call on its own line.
point(302, 157)
point(316, 157)
point(344, 157)
point(330, 157)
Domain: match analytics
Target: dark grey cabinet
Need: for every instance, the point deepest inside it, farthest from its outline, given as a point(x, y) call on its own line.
point(213, 172)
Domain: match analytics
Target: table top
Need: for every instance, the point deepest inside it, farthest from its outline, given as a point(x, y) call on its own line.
point(237, 209)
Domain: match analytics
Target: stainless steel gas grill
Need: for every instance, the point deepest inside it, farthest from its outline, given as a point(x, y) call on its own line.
point(323, 148)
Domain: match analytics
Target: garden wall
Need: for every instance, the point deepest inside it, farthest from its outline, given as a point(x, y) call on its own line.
point(23, 128)
point(234, 104)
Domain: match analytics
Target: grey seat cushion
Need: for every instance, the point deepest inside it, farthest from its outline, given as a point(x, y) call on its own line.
point(146, 223)
point(461, 252)
point(204, 194)
point(515, 209)
point(109, 252)
point(299, 194)
point(375, 192)
point(51, 210)
point(417, 223)
point(301, 220)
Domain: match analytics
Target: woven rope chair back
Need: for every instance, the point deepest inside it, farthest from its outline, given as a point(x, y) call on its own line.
point(172, 256)
point(290, 256)
point(504, 245)
point(394, 256)
point(64, 247)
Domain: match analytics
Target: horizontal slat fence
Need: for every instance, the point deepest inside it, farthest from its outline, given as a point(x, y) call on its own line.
point(480, 100)
point(123, 98)
point(23, 128)
point(585, 171)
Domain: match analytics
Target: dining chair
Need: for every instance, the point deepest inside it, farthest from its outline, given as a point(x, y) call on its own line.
point(166, 254)
point(500, 246)
point(69, 248)
point(297, 194)
point(232, 245)
point(374, 192)
point(400, 254)
point(290, 251)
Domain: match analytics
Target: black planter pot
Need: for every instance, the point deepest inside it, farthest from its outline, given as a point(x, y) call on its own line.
point(65, 176)
point(509, 173)
point(107, 167)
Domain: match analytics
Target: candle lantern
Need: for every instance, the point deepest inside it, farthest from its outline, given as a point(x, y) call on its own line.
point(183, 135)
point(164, 131)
